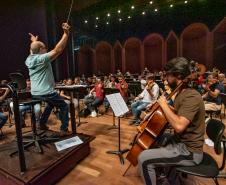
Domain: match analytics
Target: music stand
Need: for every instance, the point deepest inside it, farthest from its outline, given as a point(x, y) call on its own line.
point(119, 108)
point(108, 91)
point(79, 95)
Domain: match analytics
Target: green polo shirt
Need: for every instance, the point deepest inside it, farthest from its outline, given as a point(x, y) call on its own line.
point(41, 74)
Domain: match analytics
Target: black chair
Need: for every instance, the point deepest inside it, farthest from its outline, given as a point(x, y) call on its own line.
point(208, 167)
point(215, 113)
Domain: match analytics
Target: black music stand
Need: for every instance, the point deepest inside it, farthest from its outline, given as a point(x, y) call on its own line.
point(119, 108)
point(108, 91)
point(79, 95)
point(72, 89)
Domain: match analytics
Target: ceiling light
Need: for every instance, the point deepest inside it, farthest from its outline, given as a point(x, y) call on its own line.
point(86, 21)
point(97, 18)
point(108, 14)
point(185, 2)
point(143, 13)
point(120, 19)
point(156, 9)
point(129, 17)
point(151, 2)
point(107, 22)
point(132, 7)
point(119, 11)
point(171, 6)
point(96, 26)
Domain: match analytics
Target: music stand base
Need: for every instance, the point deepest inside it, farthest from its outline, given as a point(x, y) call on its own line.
point(113, 127)
point(120, 154)
point(81, 123)
point(37, 141)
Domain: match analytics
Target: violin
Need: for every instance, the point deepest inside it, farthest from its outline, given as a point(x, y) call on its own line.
point(211, 85)
point(2, 91)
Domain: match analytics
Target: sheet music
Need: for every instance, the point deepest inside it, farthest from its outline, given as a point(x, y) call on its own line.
point(67, 143)
point(118, 104)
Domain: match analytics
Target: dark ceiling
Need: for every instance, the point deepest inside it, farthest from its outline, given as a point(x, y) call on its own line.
point(91, 22)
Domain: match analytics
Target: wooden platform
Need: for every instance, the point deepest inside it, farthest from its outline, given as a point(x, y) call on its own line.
point(42, 169)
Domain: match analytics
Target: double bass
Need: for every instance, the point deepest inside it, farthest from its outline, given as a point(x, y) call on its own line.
point(149, 130)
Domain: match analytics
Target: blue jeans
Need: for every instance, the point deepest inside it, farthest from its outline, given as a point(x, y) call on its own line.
point(137, 107)
point(54, 100)
point(92, 102)
point(3, 119)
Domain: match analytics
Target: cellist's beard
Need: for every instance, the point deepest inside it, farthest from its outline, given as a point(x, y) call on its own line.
point(172, 85)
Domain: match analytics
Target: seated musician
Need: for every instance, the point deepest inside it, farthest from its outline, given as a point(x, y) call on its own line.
point(42, 79)
point(112, 83)
point(77, 81)
point(221, 78)
point(3, 116)
point(145, 71)
point(95, 98)
point(212, 97)
point(118, 73)
point(106, 81)
point(188, 121)
point(146, 99)
point(122, 86)
point(66, 95)
point(27, 108)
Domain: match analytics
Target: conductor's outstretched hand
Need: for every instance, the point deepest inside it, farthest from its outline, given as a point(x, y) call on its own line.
point(66, 28)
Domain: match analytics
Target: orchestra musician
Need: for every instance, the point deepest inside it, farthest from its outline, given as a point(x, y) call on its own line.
point(42, 79)
point(112, 83)
point(145, 100)
point(3, 95)
point(66, 95)
point(122, 86)
point(212, 96)
point(95, 97)
point(188, 121)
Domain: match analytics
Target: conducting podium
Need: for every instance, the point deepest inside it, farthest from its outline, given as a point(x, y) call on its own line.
point(119, 108)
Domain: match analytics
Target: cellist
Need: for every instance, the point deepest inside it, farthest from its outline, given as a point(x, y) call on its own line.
point(188, 121)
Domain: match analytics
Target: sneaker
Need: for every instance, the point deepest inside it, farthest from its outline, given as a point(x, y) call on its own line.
point(64, 133)
point(131, 122)
point(137, 123)
point(43, 127)
point(93, 114)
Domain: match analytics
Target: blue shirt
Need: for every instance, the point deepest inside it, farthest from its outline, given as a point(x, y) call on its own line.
point(217, 100)
point(41, 74)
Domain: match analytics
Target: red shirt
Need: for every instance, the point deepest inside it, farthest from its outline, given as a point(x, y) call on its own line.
point(123, 89)
point(99, 91)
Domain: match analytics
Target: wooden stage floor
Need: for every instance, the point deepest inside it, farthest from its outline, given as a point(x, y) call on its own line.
point(100, 168)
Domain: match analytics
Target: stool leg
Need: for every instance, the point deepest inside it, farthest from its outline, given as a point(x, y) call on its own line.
point(216, 181)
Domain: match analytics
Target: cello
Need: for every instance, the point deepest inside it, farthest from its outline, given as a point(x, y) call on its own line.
point(149, 130)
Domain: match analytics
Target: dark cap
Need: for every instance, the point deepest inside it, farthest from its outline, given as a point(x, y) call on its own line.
point(179, 65)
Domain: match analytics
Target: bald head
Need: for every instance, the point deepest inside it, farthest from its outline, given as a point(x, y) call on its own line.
point(36, 47)
point(221, 77)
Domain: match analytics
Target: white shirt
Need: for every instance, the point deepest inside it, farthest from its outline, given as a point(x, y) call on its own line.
point(146, 97)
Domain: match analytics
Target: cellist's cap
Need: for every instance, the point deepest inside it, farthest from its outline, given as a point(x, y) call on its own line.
point(179, 65)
